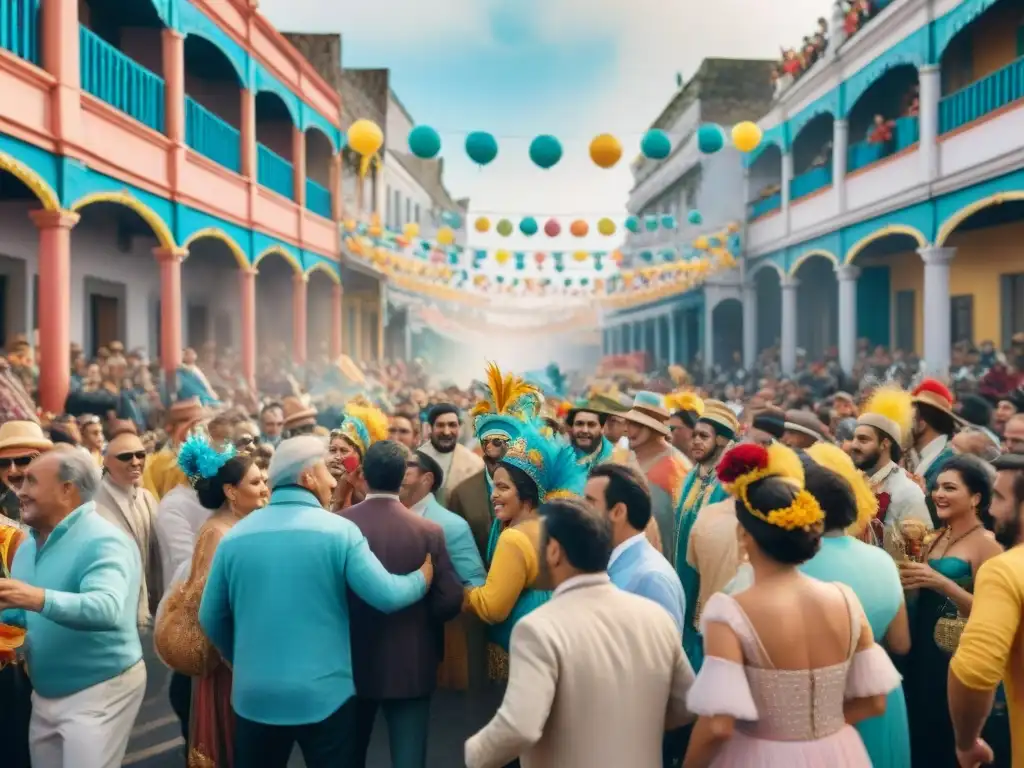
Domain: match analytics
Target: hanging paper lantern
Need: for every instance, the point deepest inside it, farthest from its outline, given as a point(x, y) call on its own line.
point(504, 227)
point(646, 255)
point(528, 226)
point(502, 257)
point(668, 254)
point(580, 256)
point(445, 236)
point(656, 145)
point(650, 223)
point(606, 227)
point(424, 142)
point(710, 138)
point(539, 257)
point(482, 224)
point(605, 151)
point(701, 243)
point(545, 151)
point(746, 136)
point(452, 219)
point(633, 224)
point(365, 137)
point(579, 228)
point(552, 228)
point(412, 230)
point(559, 267)
point(481, 147)
point(668, 222)
point(695, 217)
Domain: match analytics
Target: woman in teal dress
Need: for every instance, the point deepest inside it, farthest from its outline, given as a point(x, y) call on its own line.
point(846, 498)
point(940, 599)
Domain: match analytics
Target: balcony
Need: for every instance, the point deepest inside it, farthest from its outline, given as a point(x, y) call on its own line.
point(764, 206)
point(810, 182)
point(318, 199)
point(19, 28)
point(905, 134)
point(211, 137)
point(274, 172)
point(991, 93)
point(112, 77)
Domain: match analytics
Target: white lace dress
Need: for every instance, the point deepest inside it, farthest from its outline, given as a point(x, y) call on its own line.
point(787, 718)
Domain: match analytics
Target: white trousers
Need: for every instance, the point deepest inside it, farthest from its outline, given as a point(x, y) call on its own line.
point(88, 729)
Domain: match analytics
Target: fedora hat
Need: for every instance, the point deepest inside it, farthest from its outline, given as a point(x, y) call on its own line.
point(24, 436)
point(806, 423)
point(649, 411)
point(298, 414)
point(587, 406)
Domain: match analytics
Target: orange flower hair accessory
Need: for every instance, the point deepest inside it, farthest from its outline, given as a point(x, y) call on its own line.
point(748, 463)
point(11, 639)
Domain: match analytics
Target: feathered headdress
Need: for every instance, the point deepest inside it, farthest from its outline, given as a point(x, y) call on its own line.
point(891, 410)
point(506, 397)
point(747, 463)
point(834, 458)
point(684, 401)
point(548, 459)
point(364, 424)
point(197, 458)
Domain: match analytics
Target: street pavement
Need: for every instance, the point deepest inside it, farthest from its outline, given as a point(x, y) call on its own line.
point(156, 739)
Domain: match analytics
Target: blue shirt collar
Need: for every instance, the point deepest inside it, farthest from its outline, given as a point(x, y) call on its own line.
point(64, 525)
point(294, 494)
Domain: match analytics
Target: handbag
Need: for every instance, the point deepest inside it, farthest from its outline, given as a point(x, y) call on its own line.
point(178, 637)
point(948, 630)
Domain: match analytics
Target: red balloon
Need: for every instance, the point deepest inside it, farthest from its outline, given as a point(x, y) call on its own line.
point(552, 228)
point(539, 257)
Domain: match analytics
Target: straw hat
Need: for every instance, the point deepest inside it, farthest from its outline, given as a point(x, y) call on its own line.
point(721, 417)
point(649, 411)
point(298, 414)
point(19, 437)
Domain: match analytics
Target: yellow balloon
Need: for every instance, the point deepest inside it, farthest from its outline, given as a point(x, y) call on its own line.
point(365, 137)
point(605, 151)
point(412, 229)
point(374, 230)
point(701, 243)
point(482, 224)
point(581, 256)
point(606, 227)
point(445, 236)
point(746, 136)
point(350, 225)
point(502, 257)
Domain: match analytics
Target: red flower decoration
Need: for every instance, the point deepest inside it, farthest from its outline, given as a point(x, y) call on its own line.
point(884, 499)
point(740, 460)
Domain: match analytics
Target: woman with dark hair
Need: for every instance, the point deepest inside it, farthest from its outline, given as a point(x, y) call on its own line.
point(364, 425)
point(231, 486)
point(777, 693)
point(845, 496)
point(940, 593)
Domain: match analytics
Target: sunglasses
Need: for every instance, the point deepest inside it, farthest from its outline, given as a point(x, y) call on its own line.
point(496, 442)
point(126, 457)
point(245, 441)
point(17, 461)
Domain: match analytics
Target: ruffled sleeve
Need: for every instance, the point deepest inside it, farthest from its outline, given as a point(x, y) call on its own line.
point(721, 688)
point(871, 673)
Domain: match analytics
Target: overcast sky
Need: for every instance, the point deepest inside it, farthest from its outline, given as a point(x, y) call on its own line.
point(519, 68)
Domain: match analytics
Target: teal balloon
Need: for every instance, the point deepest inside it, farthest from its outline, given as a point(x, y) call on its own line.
point(545, 151)
point(710, 138)
point(528, 226)
point(668, 222)
point(694, 217)
point(668, 255)
point(452, 219)
point(656, 145)
point(424, 142)
point(650, 223)
point(481, 147)
point(646, 255)
point(632, 224)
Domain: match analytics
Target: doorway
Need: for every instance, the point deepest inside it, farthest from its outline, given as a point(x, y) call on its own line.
point(198, 325)
point(104, 313)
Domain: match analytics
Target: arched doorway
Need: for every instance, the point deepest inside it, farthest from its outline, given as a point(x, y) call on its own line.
point(765, 183)
point(274, 157)
point(812, 157)
point(211, 303)
point(275, 287)
point(319, 159)
point(320, 315)
point(817, 307)
point(727, 322)
point(884, 120)
point(213, 103)
point(768, 288)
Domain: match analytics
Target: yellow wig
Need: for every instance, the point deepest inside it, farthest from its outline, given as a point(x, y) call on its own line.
point(364, 424)
point(833, 458)
point(684, 401)
point(895, 405)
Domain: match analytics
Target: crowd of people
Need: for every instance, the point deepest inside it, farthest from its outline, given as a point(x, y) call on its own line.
point(613, 564)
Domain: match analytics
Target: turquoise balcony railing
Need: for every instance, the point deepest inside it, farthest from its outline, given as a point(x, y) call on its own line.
point(864, 154)
point(1002, 87)
point(318, 199)
point(19, 28)
point(764, 206)
point(906, 133)
point(112, 77)
point(810, 181)
point(210, 136)
point(274, 172)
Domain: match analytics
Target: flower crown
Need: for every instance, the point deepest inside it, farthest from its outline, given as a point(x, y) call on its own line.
point(748, 463)
point(197, 458)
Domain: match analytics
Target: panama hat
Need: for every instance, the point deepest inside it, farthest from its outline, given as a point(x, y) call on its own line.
point(649, 410)
point(24, 437)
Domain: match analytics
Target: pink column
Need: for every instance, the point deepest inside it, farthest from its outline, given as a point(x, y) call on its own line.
point(54, 308)
point(337, 199)
point(174, 85)
point(248, 293)
point(247, 131)
point(299, 166)
point(59, 36)
point(170, 308)
point(336, 320)
point(299, 318)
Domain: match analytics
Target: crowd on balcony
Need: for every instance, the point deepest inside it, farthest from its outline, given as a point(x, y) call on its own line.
point(796, 61)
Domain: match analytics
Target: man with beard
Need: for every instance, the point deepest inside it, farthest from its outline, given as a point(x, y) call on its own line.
point(471, 499)
point(456, 461)
point(586, 432)
point(990, 649)
point(876, 452)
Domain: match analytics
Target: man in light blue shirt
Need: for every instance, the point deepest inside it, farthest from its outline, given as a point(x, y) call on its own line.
point(74, 587)
point(276, 608)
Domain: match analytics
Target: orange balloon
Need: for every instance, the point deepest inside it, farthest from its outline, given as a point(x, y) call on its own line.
point(579, 228)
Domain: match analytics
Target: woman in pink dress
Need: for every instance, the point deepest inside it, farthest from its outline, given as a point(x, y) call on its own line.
point(783, 694)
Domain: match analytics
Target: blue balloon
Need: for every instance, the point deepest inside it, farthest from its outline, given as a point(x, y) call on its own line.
point(650, 223)
point(481, 147)
point(545, 151)
point(646, 255)
point(695, 217)
point(668, 254)
point(424, 142)
point(528, 226)
point(668, 222)
point(452, 219)
point(632, 224)
point(710, 138)
point(656, 145)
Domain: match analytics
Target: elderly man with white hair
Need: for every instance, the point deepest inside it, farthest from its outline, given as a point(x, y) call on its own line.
point(74, 587)
point(276, 607)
